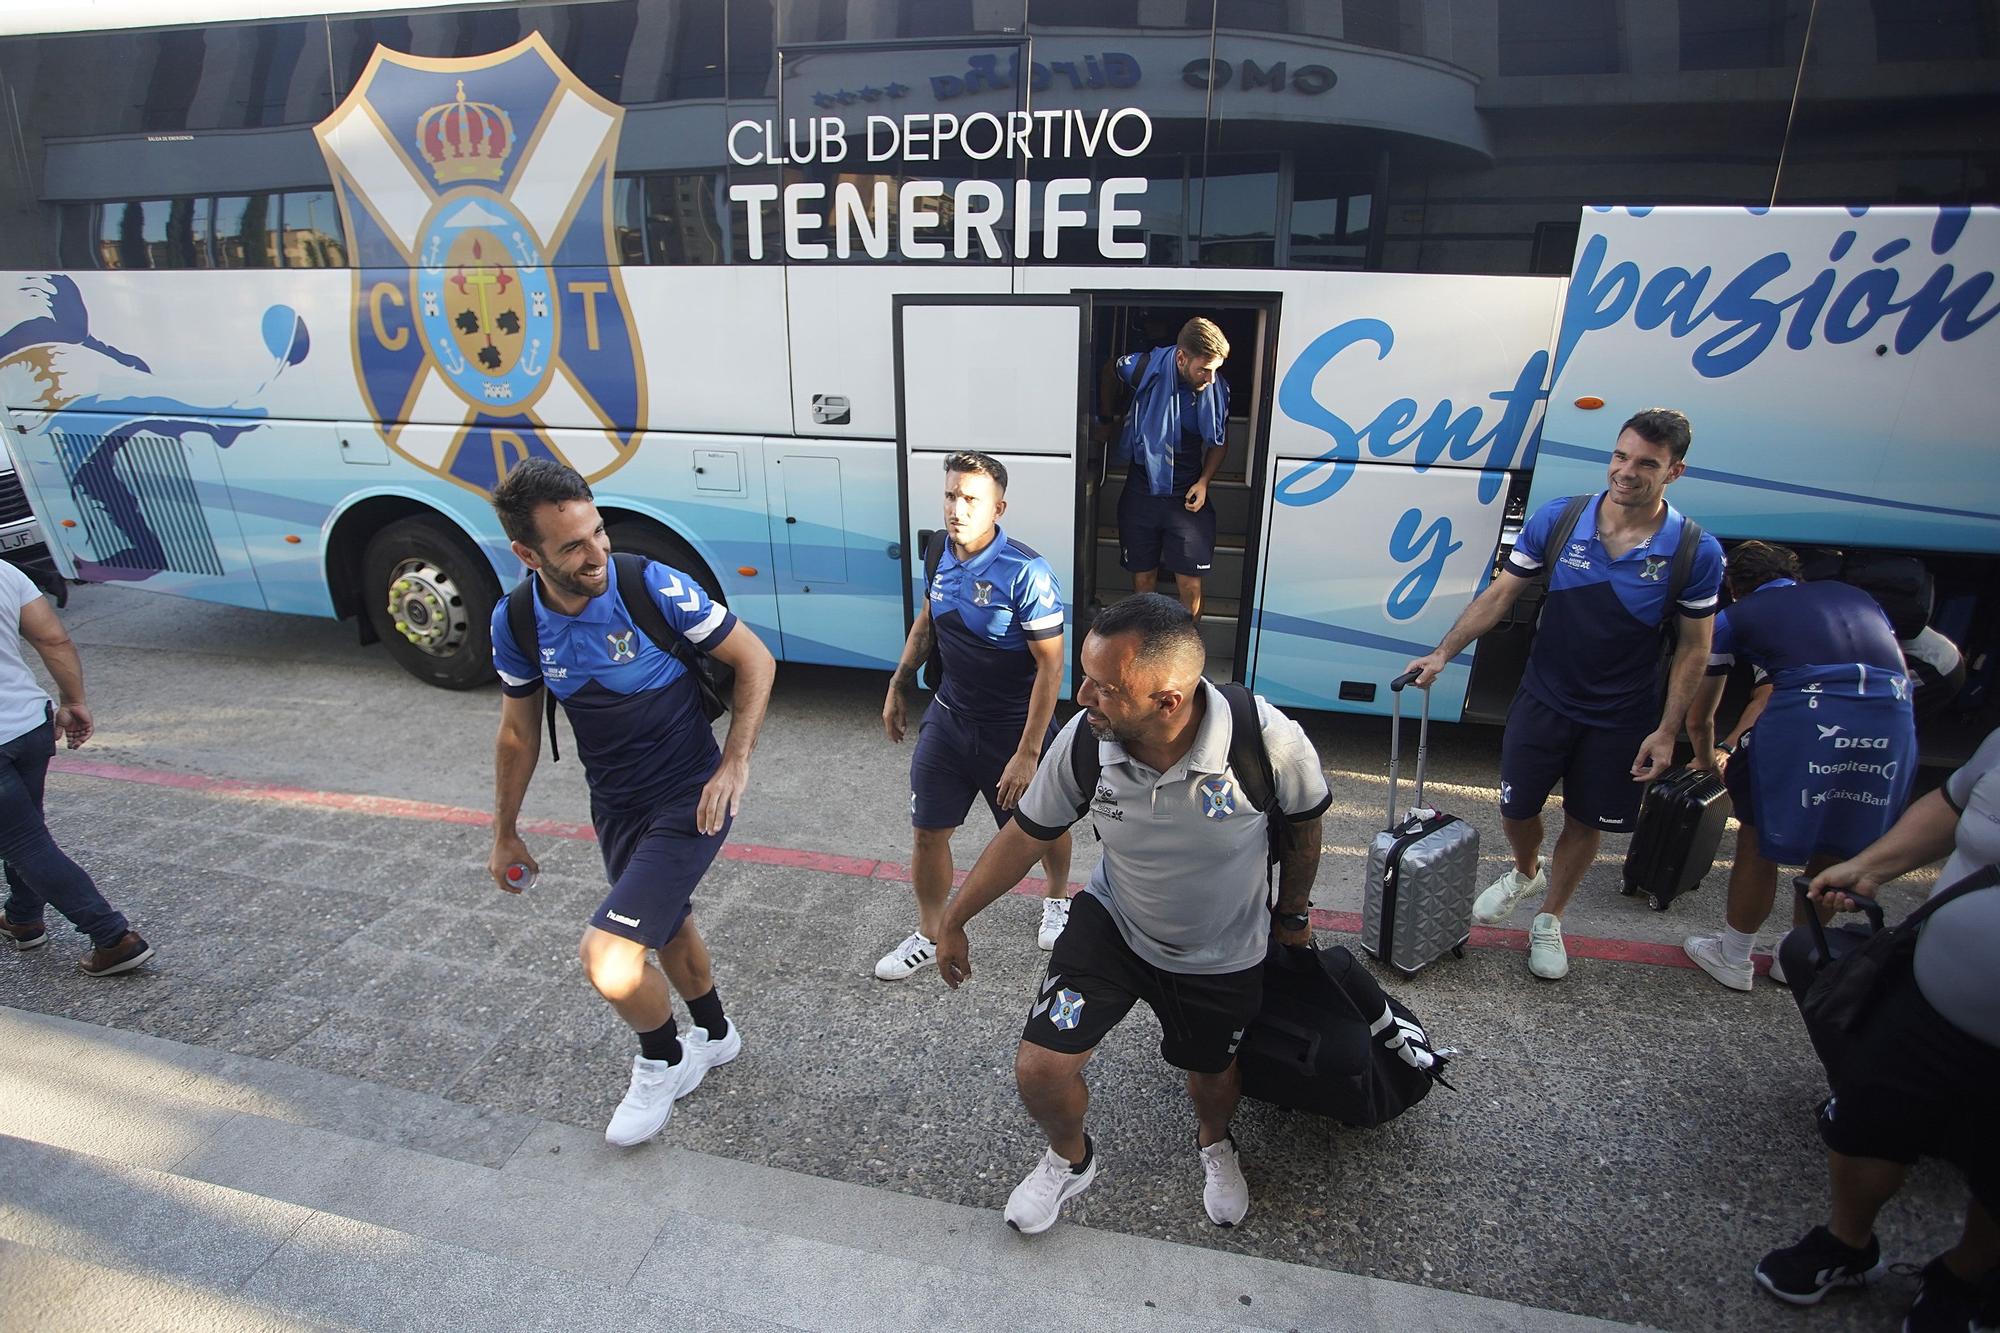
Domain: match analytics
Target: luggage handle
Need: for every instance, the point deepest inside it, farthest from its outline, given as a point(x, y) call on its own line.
point(1869, 908)
point(1396, 738)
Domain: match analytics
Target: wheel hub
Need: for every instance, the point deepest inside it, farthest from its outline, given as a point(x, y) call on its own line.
point(427, 608)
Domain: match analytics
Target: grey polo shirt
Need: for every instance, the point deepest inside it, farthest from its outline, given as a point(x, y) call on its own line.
point(1183, 871)
point(1956, 947)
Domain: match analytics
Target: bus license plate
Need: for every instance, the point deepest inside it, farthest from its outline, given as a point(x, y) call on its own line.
point(20, 537)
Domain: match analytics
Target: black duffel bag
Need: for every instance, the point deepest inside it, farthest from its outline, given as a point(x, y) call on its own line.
point(1844, 990)
point(1331, 1041)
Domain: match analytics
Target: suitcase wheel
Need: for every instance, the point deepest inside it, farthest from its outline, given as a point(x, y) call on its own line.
point(1658, 903)
point(1630, 888)
point(1458, 951)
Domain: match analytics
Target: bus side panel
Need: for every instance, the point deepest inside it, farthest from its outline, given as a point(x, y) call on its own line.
point(1329, 633)
point(1402, 402)
point(1842, 400)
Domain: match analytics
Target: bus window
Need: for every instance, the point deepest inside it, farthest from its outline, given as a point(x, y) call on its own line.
point(243, 231)
point(683, 219)
point(311, 231)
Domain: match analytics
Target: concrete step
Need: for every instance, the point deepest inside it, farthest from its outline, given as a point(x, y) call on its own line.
point(47, 1290)
point(295, 1195)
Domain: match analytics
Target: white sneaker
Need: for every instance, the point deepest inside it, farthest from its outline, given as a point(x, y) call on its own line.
point(1547, 958)
point(915, 952)
point(1224, 1193)
point(707, 1053)
point(1706, 950)
point(1504, 894)
point(1777, 972)
point(1032, 1207)
point(649, 1100)
point(1055, 916)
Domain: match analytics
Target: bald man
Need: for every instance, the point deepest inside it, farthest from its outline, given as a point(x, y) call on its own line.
point(1178, 912)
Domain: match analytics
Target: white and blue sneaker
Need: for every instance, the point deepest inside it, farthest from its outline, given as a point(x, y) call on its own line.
point(1055, 919)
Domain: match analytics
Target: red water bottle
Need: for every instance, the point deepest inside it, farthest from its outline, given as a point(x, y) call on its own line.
point(521, 877)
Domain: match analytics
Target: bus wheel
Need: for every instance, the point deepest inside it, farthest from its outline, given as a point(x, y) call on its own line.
point(640, 538)
point(430, 597)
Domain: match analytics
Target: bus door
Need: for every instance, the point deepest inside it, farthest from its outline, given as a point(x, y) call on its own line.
point(1004, 375)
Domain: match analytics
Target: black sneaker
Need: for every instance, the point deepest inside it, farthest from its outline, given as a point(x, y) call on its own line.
point(1945, 1301)
point(1802, 1274)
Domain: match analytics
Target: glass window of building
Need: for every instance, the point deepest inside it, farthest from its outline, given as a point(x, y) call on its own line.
point(245, 226)
point(1236, 211)
point(1331, 217)
point(1085, 13)
point(1934, 29)
point(1732, 34)
point(1559, 37)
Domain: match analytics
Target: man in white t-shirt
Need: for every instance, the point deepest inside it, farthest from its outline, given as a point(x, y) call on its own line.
point(39, 874)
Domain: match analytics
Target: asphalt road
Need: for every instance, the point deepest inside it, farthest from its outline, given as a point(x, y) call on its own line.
point(1624, 1144)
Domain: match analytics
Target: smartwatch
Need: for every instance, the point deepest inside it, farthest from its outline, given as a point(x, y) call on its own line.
point(1292, 920)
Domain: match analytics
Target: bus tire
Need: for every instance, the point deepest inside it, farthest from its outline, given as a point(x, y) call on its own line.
point(651, 542)
point(430, 597)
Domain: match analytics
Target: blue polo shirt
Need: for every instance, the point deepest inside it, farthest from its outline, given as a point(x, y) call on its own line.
point(985, 611)
point(1597, 655)
point(1147, 424)
point(637, 716)
point(1785, 627)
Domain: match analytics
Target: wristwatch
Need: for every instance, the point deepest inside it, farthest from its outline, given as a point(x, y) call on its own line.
point(1292, 920)
point(1726, 749)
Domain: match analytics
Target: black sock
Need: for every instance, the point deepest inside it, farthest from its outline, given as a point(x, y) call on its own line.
point(706, 1011)
point(1088, 1149)
point(661, 1043)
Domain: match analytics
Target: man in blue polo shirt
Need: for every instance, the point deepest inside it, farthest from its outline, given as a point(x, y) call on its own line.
point(661, 795)
point(1826, 748)
point(1175, 437)
point(1589, 712)
point(994, 616)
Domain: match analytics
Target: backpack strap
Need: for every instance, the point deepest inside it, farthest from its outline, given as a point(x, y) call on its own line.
point(933, 557)
point(528, 642)
point(1085, 763)
point(1250, 761)
point(1560, 534)
point(1248, 758)
point(645, 612)
point(1683, 571)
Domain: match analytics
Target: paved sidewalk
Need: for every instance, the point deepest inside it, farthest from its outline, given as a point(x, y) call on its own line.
point(156, 1184)
point(1622, 1145)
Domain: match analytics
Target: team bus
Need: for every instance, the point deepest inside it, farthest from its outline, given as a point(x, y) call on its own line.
point(290, 286)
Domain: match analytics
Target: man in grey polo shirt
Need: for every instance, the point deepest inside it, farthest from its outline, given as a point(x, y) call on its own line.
point(1178, 912)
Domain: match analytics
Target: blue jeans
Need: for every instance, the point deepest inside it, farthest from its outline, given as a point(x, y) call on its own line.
point(38, 872)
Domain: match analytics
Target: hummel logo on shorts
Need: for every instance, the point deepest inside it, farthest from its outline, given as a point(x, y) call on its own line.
point(622, 920)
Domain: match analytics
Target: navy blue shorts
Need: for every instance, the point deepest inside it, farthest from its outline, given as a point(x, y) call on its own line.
point(1542, 747)
point(957, 759)
point(653, 859)
point(1158, 532)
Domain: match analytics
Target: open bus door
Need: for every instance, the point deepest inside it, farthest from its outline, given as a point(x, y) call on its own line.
point(1004, 375)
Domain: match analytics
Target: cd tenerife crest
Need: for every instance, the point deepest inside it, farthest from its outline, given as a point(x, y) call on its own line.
point(490, 323)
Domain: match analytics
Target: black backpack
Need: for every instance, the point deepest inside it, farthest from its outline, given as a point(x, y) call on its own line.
point(931, 674)
point(1248, 760)
point(712, 681)
point(1677, 577)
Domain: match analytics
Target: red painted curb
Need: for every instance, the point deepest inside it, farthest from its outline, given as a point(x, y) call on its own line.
point(792, 858)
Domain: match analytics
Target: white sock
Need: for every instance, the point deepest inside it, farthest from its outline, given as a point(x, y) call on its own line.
point(1736, 946)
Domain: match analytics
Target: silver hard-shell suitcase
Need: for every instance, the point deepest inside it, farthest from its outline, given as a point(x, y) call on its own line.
point(1423, 869)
